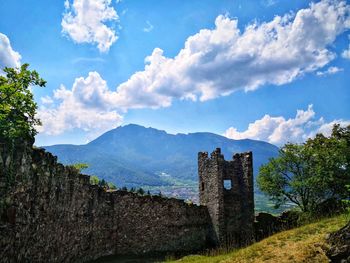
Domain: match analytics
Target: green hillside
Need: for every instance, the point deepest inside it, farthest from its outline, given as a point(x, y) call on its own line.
point(135, 156)
point(303, 244)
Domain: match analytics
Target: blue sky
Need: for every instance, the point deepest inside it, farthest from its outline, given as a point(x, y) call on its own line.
point(271, 70)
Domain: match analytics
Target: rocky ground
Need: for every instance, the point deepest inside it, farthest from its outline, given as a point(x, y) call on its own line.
point(340, 245)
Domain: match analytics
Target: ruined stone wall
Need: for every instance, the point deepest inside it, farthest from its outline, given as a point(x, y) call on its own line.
point(210, 191)
point(231, 210)
point(51, 213)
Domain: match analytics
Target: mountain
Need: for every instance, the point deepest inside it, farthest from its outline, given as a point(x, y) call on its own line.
point(135, 156)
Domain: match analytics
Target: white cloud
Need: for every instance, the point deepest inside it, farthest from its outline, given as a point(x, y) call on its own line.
point(214, 62)
point(269, 3)
point(8, 57)
point(84, 22)
point(149, 27)
point(46, 100)
point(278, 130)
point(89, 105)
point(326, 128)
point(222, 60)
point(66, 4)
point(329, 71)
point(346, 53)
point(86, 106)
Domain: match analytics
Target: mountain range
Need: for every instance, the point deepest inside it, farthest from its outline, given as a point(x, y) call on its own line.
point(135, 156)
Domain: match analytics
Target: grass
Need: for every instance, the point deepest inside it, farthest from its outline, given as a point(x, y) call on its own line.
point(303, 244)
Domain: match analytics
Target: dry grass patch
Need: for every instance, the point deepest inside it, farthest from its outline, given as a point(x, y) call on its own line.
point(303, 244)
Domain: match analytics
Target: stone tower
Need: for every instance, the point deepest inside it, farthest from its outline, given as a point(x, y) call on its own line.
point(226, 188)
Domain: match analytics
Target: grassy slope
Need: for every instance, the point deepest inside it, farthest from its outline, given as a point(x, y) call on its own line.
point(303, 244)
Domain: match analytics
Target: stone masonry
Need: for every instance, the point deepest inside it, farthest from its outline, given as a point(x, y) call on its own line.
point(226, 189)
point(51, 213)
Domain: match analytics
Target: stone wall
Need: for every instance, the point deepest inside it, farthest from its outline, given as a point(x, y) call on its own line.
point(266, 224)
point(51, 213)
point(231, 208)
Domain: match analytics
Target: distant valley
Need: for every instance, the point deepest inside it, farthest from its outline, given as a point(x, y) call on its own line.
point(135, 156)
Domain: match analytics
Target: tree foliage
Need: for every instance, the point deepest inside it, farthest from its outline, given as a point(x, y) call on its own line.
point(311, 173)
point(102, 183)
point(112, 186)
point(80, 166)
point(140, 191)
point(94, 180)
point(17, 106)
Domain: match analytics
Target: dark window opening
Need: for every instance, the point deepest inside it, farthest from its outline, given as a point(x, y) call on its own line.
point(202, 186)
point(228, 184)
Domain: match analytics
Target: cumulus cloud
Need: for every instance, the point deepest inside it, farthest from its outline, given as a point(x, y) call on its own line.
point(86, 106)
point(84, 21)
point(326, 128)
point(329, 71)
point(8, 57)
point(89, 105)
point(278, 130)
point(216, 62)
point(46, 100)
point(66, 4)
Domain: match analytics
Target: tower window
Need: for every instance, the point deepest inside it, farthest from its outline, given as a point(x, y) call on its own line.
point(228, 184)
point(202, 186)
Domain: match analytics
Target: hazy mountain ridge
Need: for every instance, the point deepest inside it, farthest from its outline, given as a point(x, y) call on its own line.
point(133, 155)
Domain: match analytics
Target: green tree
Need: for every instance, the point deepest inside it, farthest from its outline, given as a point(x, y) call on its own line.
point(112, 186)
point(17, 106)
point(311, 173)
point(283, 179)
point(103, 183)
point(80, 166)
point(94, 180)
point(347, 203)
point(329, 164)
point(140, 191)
